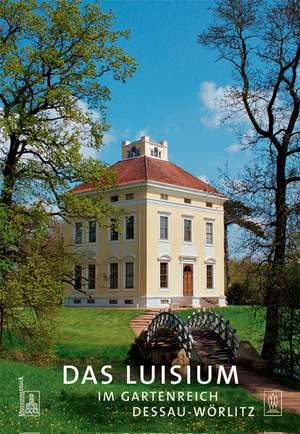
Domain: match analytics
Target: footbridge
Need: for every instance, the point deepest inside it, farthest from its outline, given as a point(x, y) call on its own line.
point(205, 336)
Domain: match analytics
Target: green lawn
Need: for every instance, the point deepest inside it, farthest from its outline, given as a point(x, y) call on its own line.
point(101, 334)
point(103, 337)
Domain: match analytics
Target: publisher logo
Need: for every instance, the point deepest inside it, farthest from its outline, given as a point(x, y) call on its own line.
point(273, 403)
point(29, 400)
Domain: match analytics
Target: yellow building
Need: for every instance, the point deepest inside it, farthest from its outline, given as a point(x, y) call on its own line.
point(171, 249)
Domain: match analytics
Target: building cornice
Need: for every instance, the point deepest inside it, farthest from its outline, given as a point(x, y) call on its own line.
point(170, 187)
point(195, 191)
point(166, 187)
point(167, 203)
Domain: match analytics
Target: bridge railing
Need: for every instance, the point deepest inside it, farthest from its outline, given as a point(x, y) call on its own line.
point(172, 322)
point(215, 322)
point(202, 319)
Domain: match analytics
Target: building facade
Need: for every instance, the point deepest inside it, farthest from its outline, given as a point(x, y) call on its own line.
point(171, 249)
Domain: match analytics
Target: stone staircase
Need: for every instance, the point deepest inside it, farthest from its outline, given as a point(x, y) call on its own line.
point(209, 302)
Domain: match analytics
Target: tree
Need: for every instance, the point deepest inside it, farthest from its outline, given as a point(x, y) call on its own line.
point(261, 41)
point(237, 213)
point(34, 271)
point(54, 57)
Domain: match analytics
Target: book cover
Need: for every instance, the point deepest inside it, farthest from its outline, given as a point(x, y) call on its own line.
point(149, 216)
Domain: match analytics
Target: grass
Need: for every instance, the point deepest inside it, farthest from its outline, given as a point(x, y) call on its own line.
point(95, 334)
point(104, 337)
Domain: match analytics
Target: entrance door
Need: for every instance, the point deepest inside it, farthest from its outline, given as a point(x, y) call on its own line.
point(188, 280)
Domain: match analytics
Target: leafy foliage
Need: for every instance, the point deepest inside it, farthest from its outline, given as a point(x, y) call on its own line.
point(54, 57)
point(33, 286)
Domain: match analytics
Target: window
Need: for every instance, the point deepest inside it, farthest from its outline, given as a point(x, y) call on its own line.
point(78, 233)
point(163, 233)
point(209, 276)
point(134, 152)
point(91, 276)
point(187, 223)
point(92, 231)
point(209, 233)
point(90, 301)
point(164, 301)
point(187, 200)
point(209, 204)
point(77, 301)
point(155, 152)
point(114, 198)
point(78, 276)
point(129, 196)
point(164, 197)
point(130, 227)
point(129, 278)
point(128, 301)
point(114, 235)
point(164, 275)
point(113, 301)
point(114, 275)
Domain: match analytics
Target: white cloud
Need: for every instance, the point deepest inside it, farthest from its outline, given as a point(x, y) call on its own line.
point(143, 132)
point(247, 137)
point(219, 103)
point(235, 147)
point(94, 114)
point(109, 138)
point(87, 152)
point(212, 99)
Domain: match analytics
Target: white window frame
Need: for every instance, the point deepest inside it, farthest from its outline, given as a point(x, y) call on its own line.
point(134, 227)
point(211, 262)
point(113, 261)
point(168, 227)
point(163, 258)
point(88, 231)
point(190, 218)
point(74, 233)
point(164, 288)
point(213, 277)
point(109, 236)
point(207, 221)
point(128, 260)
point(87, 276)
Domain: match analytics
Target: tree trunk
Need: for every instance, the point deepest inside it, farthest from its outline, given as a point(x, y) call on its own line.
point(6, 198)
point(9, 171)
point(227, 259)
point(274, 289)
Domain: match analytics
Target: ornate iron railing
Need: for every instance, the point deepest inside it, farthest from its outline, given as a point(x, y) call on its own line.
point(170, 321)
point(215, 322)
point(182, 330)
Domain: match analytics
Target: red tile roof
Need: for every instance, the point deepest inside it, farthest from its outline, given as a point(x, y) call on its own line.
point(141, 169)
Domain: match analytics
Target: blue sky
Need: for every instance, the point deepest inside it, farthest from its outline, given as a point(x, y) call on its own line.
point(172, 95)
